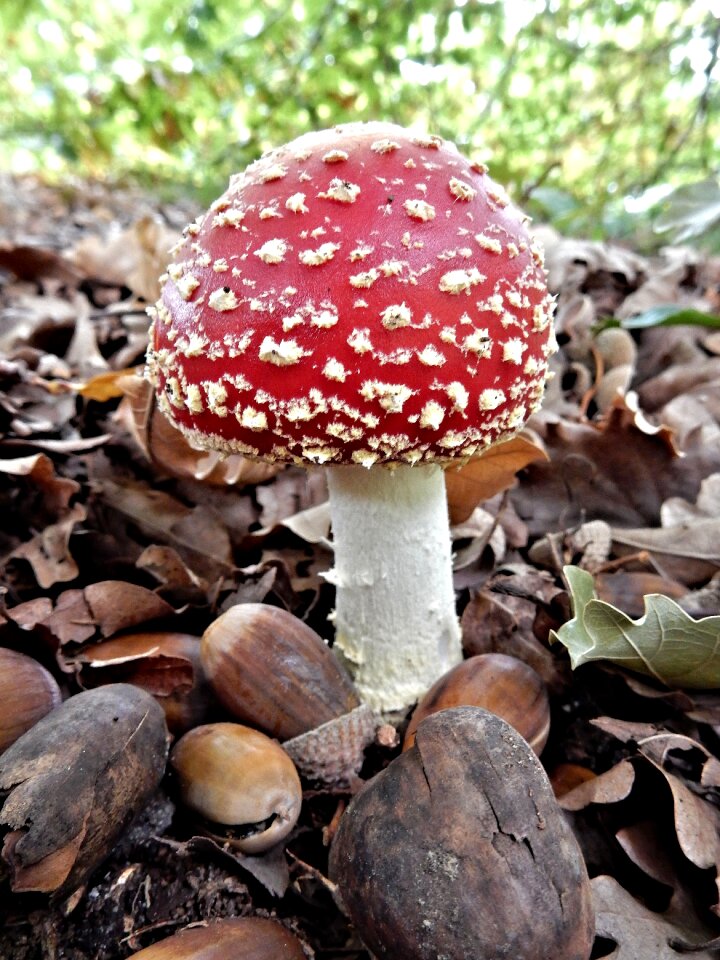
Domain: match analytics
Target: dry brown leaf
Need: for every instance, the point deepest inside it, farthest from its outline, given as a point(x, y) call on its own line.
point(609, 787)
point(37, 263)
point(170, 451)
point(162, 663)
point(167, 566)
point(697, 825)
point(499, 619)
point(118, 605)
point(646, 844)
point(626, 590)
point(687, 542)
point(618, 471)
point(639, 933)
point(492, 472)
point(104, 386)
point(69, 621)
point(271, 869)
point(132, 258)
point(83, 354)
point(196, 533)
point(48, 552)
point(39, 468)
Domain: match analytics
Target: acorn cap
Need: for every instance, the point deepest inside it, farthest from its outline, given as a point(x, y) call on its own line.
point(361, 295)
point(333, 753)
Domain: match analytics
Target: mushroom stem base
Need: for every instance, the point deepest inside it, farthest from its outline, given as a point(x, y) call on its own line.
point(396, 625)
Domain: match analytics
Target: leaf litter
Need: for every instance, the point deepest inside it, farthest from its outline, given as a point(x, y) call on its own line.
point(118, 535)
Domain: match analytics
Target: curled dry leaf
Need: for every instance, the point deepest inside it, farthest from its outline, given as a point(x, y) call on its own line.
point(499, 619)
point(269, 869)
point(118, 605)
point(615, 471)
point(169, 449)
point(492, 472)
point(40, 469)
point(166, 664)
point(132, 258)
point(161, 663)
point(609, 787)
point(74, 781)
point(48, 552)
point(640, 934)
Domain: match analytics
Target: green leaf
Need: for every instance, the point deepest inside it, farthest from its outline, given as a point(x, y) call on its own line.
point(667, 315)
point(665, 643)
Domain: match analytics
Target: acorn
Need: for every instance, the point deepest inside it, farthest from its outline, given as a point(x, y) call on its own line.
point(252, 938)
point(504, 685)
point(27, 693)
point(272, 671)
point(241, 784)
point(458, 849)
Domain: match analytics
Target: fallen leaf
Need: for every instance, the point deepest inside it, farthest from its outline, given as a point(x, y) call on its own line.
point(35, 263)
point(615, 471)
point(196, 533)
point(492, 472)
point(609, 787)
point(48, 552)
point(665, 643)
point(68, 621)
point(169, 449)
point(161, 663)
point(134, 257)
point(118, 605)
point(39, 468)
point(639, 933)
point(104, 386)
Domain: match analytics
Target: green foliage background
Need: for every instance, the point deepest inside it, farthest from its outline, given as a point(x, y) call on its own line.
point(575, 104)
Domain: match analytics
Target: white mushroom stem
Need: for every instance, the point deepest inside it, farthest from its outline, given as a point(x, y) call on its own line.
point(395, 618)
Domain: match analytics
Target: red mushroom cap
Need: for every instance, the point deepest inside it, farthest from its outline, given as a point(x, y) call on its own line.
point(359, 295)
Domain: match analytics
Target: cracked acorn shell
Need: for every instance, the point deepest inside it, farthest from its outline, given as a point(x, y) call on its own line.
point(459, 849)
point(501, 684)
point(27, 693)
point(241, 783)
point(249, 938)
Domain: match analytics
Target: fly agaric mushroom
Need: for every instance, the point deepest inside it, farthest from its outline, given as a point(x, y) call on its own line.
point(366, 299)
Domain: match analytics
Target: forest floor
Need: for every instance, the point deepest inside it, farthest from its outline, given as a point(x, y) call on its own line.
point(106, 512)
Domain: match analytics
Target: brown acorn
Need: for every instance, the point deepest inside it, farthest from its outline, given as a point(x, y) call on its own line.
point(27, 693)
point(458, 849)
point(504, 685)
point(270, 670)
point(241, 783)
point(252, 938)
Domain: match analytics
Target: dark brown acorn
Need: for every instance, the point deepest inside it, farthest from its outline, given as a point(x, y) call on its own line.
point(458, 849)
